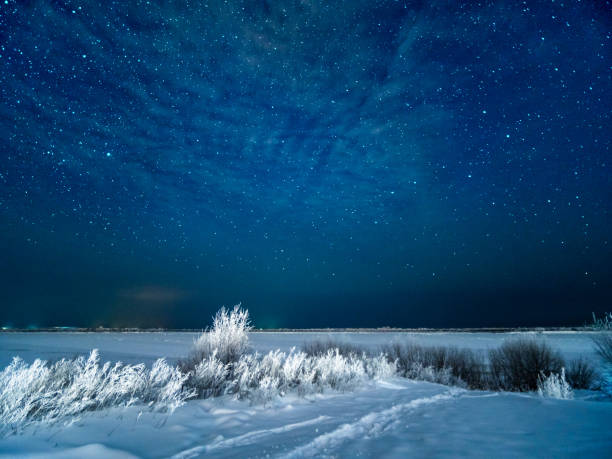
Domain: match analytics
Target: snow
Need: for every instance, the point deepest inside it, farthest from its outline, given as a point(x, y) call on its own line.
point(93, 451)
point(147, 347)
point(399, 418)
point(391, 418)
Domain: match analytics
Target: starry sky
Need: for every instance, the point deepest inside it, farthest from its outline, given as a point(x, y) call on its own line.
point(326, 163)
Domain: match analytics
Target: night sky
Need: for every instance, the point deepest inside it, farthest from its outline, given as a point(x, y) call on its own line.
point(342, 163)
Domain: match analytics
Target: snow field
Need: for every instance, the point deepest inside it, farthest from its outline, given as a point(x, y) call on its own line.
point(226, 399)
point(395, 418)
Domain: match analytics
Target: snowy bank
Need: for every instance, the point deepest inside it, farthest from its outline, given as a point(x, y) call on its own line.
point(397, 418)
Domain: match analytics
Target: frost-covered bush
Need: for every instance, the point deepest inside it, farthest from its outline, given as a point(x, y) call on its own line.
point(555, 386)
point(443, 365)
point(228, 338)
point(48, 392)
point(209, 377)
point(379, 367)
point(260, 378)
point(221, 363)
point(298, 373)
point(517, 365)
point(337, 371)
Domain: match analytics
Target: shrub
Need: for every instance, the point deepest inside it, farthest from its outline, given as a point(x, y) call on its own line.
point(261, 378)
point(209, 377)
point(445, 365)
point(49, 392)
point(581, 374)
point(467, 365)
point(228, 339)
point(603, 346)
point(323, 346)
point(517, 365)
point(221, 364)
point(555, 386)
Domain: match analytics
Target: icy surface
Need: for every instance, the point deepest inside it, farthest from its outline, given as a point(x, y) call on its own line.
point(388, 419)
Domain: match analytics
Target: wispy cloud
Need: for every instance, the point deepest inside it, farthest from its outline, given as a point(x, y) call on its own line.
point(154, 294)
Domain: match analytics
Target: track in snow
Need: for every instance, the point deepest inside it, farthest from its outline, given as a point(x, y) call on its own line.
point(369, 426)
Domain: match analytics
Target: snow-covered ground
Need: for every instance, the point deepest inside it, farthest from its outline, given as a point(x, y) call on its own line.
point(389, 418)
point(148, 346)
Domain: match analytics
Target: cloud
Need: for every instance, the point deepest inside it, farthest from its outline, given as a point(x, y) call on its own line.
point(153, 294)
